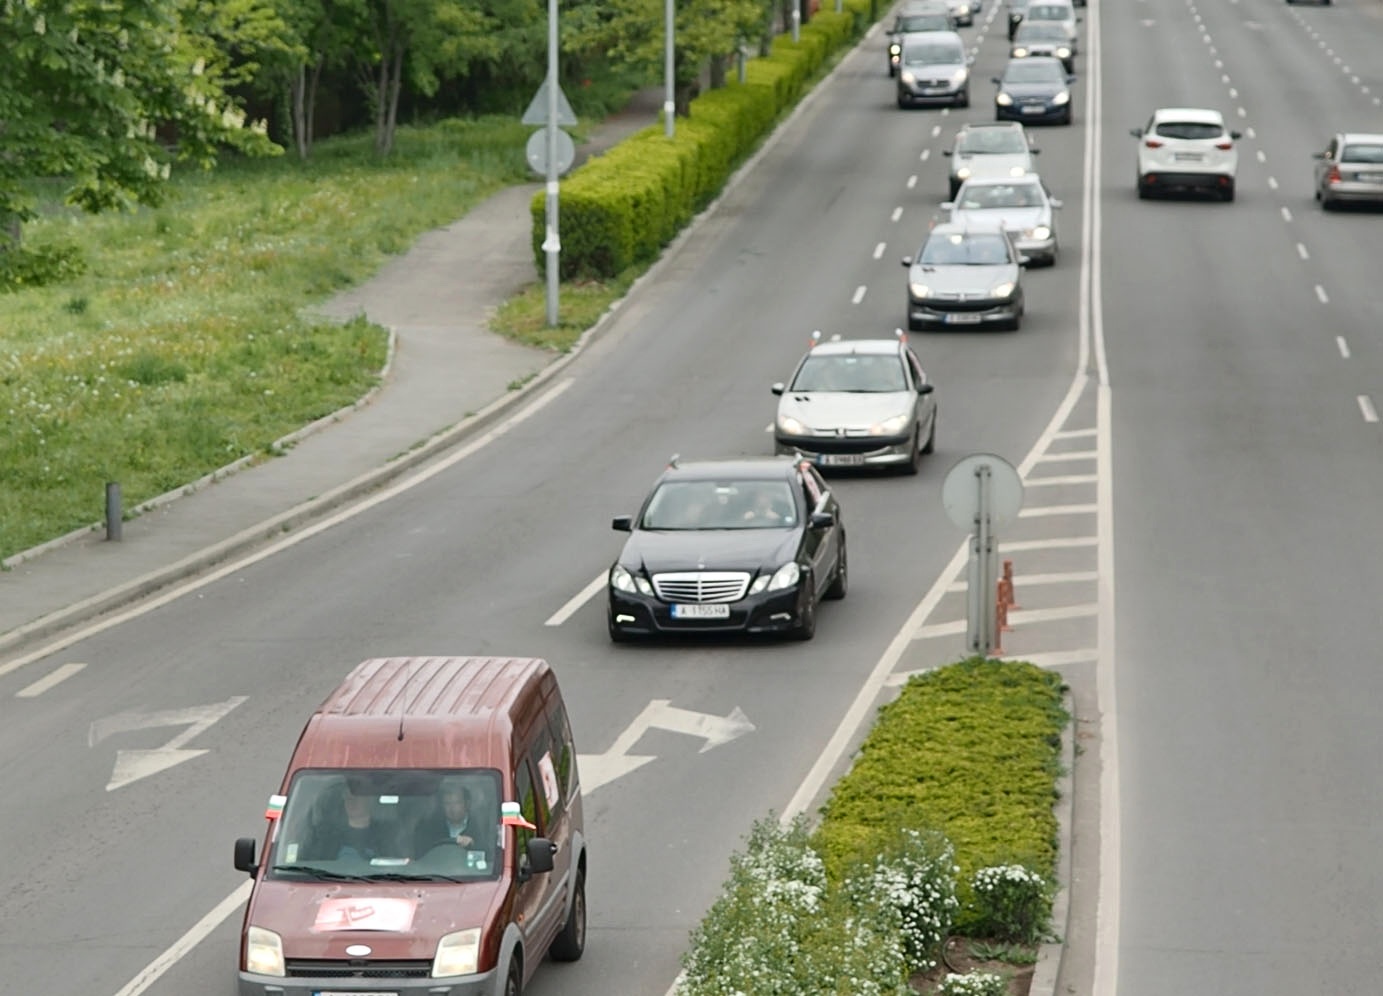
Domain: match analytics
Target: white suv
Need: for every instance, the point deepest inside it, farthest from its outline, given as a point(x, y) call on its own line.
point(1186, 148)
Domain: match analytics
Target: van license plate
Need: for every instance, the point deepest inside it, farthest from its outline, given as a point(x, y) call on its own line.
point(712, 611)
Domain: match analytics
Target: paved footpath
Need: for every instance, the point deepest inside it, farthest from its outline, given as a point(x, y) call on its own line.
point(448, 376)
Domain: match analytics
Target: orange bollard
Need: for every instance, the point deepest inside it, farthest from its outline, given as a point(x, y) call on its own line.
point(1008, 583)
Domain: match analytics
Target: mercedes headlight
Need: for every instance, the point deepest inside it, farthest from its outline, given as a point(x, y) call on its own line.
point(907, 77)
point(457, 954)
point(1019, 52)
point(791, 426)
point(1003, 99)
point(263, 952)
point(889, 426)
point(1040, 233)
point(1004, 289)
point(919, 291)
point(1063, 97)
point(1063, 53)
point(784, 577)
point(622, 580)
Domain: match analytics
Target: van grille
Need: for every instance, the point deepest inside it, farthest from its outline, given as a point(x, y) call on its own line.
point(320, 968)
point(701, 586)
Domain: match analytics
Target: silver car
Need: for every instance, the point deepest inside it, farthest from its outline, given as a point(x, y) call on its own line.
point(1350, 170)
point(857, 403)
point(1043, 38)
point(1021, 206)
point(934, 69)
point(998, 148)
point(965, 277)
point(1056, 12)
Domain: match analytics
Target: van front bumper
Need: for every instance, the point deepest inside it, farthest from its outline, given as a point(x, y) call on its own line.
point(481, 984)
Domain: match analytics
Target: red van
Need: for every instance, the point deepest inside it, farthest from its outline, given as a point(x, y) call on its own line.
point(427, 837)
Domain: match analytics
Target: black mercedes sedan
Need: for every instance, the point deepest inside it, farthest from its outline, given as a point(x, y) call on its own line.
point(749, 545)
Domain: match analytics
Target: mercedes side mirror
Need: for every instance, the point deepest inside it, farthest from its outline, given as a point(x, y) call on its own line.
point(622, 523)
point(822, 520)
point(245, 856)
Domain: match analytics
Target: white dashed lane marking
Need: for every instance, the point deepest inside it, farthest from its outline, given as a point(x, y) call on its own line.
point(1343, 347)
point(879, 250)
point(1321, 295)
point(1301, 251)
point(1366, 407)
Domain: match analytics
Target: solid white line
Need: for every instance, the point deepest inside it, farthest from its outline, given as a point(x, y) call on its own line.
point(1057, 543)
point(184, 944)
point(1042, 511)
point(48, 681)
point(579, 599)
point(897, 213)
point(1366, 407)
point(1344, 346)
point(1286, 214)
point(1070, 455)
point(879, 250)
point(1301, 251)
point(1321, 295)
point(912, 181)
point(1042, 482)
point(859, 294)
point(1074, 433)
point(952, 628)
point(293, 539)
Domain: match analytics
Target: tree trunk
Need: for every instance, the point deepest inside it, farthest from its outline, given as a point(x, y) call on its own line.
point(395, 89)
point(299, 97)
point(310, 122)
point(719, 65)
point(382, 137)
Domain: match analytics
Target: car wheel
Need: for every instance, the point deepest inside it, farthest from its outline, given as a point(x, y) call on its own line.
point(571, 942)
point(963, 99)
point(903, 102)
point(930, 446)
point(1228, 193)
point(806, 626)
point(914, 453)
point(841, 582)
point(513, 982)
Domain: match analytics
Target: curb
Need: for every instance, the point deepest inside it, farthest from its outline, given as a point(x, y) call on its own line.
point(1049, 955)
point(432, 446)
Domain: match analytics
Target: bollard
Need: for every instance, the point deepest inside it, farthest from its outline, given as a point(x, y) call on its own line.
point(1001, 613)
point(1000, 624)
point(1008, 583)
point(113, 514)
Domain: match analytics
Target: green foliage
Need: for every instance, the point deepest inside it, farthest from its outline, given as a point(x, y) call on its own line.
point(913, 880)
point(971, 750)
point(972, 984)
point(35, 266)
point(1011, 903)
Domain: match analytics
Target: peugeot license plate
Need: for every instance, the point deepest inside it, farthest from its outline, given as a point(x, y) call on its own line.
point(962, 318)
point(842, 459)
point(713, 611)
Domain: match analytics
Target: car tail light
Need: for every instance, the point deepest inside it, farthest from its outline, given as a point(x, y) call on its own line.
point(1226, 146)
point(1333, 176)
point(1153, 143)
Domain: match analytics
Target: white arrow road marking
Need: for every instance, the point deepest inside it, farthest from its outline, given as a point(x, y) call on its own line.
point(132, 765)
point(598, 769)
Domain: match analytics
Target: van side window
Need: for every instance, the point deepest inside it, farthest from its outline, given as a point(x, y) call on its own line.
point(563, 753)
point(548, 794)
point(528, 806)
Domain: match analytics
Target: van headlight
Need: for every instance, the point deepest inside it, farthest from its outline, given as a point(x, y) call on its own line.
point(907, 77)
point(1064, 97)
point(457, 954)
point(621, 579)
point(791, 426)
point(895, 49)
point(960, 76)
point(264, 952)
point(889, 426)
point(1003, 99)
point(784, 577)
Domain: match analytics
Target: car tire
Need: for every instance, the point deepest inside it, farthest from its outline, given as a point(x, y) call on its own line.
point(914, 461)
point(806, 627)
point(963, 98)
point(930, 446)
point(1227, 195)
point(570, 942)
point(903, 102)
point(513, 981)
point(840, 584)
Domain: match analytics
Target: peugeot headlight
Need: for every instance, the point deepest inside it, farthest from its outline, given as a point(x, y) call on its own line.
point(1003, 99)
point(791, 426)
point(1063, 53)
point(457, 954)
point(622, 580)
point(263, 952)
point(919, 291)
point(963, 10)
point(1004, 289)
point(889, 426)
point(1040, 232)
point(1019, 52)
point(1063, 97)
point(907, 77)
point(784, 577)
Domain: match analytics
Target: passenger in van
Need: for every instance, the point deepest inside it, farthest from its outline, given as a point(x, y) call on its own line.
point(348, 829)
point(453, 822)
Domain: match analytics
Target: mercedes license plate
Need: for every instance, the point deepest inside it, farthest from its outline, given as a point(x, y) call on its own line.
point(962, 318)
point(842, 459)
point(711, 611)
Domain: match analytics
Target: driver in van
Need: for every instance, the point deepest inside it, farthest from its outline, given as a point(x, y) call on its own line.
point(454, 821)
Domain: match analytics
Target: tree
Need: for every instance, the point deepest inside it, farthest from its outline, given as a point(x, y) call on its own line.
point(104, 98)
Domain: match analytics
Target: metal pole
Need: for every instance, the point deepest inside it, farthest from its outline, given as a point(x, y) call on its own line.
point(669, 63)
point(114, 517)
point(796, 24)
point(552, 243)
point(981, 637)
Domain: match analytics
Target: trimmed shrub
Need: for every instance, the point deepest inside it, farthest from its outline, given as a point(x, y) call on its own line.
point(915, 880)
point(1011, 903)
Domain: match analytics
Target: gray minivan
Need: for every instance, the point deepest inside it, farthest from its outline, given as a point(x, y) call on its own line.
point(934, 69)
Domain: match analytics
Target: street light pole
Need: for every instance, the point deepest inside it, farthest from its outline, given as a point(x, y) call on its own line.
point(670, 94)
point(552, 244)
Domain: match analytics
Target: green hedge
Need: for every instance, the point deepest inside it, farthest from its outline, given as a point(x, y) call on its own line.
point(971, 750)
point(621, 208)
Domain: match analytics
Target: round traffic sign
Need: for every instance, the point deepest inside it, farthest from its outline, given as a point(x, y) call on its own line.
point(960, 491)
point(537, 151)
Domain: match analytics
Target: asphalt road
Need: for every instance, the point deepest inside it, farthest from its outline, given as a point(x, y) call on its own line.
point(1243, 365)
point(481, 556)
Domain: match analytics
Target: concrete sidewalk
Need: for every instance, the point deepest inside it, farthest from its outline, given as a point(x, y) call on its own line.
point(447, 377)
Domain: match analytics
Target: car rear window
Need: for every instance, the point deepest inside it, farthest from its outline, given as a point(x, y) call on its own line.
point(1189, 130)
point(1362, 154)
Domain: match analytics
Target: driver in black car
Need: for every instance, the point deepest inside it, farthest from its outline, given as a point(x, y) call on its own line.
point(454, 822)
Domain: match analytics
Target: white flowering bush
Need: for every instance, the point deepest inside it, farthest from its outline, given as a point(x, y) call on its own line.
point(915, 881)
point(972, 984)
point(1012, 903)
point(856, 950)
